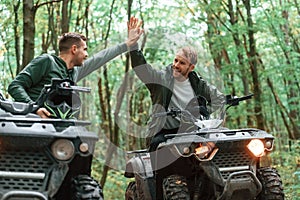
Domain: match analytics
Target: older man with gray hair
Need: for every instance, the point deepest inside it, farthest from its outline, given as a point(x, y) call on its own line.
point(173, 87)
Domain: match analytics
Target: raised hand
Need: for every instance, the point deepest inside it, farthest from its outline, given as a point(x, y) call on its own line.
point(134, 31)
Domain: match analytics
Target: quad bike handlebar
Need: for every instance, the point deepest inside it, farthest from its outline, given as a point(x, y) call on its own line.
point(234, 101)
point(202, 109)
point(172, 112)
point(61, 86)
point(65, 85)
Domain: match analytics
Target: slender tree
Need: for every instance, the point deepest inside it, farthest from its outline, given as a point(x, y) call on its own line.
point(16, 8)
point(29, 11)
point(113, 133)
point(29, 14)
point(65, 16)
point(254, 66)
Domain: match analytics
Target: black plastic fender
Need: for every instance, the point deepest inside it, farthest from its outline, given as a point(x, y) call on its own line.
point(139, 165)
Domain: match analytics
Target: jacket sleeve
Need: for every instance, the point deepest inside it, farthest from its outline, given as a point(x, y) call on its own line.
point(146, 73)
point(98, 60)
point(28, 77)
point(137, 58)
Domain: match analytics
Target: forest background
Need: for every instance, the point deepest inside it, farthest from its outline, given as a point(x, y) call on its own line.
point(244, 47)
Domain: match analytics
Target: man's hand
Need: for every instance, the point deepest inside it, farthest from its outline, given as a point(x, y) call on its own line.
point(134, 31)
point(43, 113)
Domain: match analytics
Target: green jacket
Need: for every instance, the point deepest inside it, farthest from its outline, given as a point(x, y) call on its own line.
point(28, 84)
point(160, 84)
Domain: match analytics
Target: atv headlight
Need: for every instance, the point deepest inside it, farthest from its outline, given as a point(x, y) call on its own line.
point(204, 149)
point(269, 144)
point(256, 147)
point(84, 147)
point(63, 149)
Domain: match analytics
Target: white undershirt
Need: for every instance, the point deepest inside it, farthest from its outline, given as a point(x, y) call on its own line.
point(182, 95)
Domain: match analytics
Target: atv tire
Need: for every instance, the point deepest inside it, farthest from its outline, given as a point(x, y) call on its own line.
point(271, 184)
point(131, 193)
point(175, 188)
point(85, 187)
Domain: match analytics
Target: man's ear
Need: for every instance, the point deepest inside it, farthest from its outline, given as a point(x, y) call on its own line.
point(73, 48)
point(192, 67)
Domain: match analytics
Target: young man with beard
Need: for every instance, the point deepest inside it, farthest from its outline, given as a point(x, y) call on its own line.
point(72, 63)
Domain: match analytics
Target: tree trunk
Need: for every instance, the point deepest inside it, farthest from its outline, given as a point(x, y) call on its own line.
point(252, 56)
point(241, 61)
point(29, 11)
point(65, 17)
point(292, 93)
point(112, 134)
point(17, 35)
point(283, 110)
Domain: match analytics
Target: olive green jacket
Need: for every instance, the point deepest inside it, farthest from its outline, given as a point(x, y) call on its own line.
point(28, 84)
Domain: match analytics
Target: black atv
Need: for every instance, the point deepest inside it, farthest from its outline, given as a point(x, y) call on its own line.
point(46, 158)
point(205, 161)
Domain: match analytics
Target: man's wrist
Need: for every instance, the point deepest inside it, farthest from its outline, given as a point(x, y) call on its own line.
point(132, 47)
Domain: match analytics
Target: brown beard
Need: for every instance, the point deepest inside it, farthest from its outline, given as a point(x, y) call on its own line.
point(183, 75)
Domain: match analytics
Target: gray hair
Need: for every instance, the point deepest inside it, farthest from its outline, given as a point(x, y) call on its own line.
point(190, 53)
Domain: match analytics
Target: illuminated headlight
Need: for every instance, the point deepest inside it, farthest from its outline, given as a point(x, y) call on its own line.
point(256, 147)
point(204, 149)
point(63, 149)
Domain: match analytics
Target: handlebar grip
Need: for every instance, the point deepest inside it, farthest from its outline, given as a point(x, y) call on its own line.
point(235, 101)
point(75, 88)
point(160, 114)
point(81, 89)
point(172, 112)
point(246, 97)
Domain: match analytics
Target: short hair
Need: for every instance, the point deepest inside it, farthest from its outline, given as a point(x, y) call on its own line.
point(68, 39)
point(190, 53)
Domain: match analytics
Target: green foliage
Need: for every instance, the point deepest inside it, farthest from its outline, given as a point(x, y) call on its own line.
point(170, 24)
point(287, 162)
point(115, 186)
